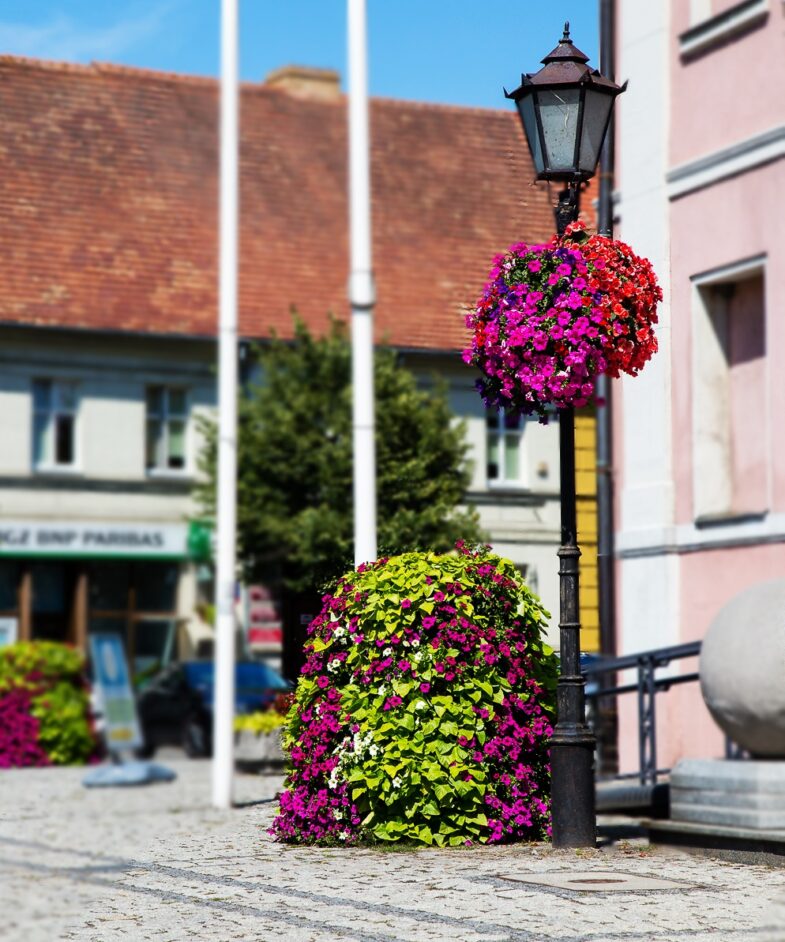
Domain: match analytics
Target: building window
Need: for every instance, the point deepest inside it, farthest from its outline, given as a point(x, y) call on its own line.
point(730, 457)
point(166, 427)
point(714, 22)
point(505, 449)
point(54, 423)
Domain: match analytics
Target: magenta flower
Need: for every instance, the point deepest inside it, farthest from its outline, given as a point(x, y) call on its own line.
point(356, 719)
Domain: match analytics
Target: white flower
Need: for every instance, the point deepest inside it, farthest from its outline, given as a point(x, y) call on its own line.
point(421, 705)
point(387, 652)
point(374, 751)
point(381, 691)
point(396, 782)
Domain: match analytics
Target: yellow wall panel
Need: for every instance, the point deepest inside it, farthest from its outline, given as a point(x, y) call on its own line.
point(586, 489)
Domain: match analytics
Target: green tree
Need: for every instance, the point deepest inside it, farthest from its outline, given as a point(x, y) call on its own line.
point(295, 525)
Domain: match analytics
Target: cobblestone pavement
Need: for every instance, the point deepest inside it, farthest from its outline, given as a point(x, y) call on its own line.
point(159, 863)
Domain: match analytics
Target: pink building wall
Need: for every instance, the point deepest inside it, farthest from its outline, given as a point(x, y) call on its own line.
point(735, 219)
point(726, 93)
point(700, 106)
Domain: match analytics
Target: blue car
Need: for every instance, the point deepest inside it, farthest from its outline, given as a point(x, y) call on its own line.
point(176, 705)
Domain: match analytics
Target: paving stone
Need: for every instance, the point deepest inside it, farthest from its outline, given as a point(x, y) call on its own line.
point(159, 863)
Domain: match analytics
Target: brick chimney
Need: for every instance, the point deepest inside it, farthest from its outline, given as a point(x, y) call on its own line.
point(306, 82)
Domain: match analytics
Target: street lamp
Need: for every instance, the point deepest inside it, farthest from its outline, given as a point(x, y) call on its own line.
point(565, 109)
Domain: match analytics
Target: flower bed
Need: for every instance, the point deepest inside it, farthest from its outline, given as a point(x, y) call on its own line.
point(553, 317)
point(44, 706)
point(258, 735)
point(424, 708)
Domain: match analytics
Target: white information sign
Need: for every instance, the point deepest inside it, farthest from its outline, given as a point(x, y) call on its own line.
point(110, 675)
point(8, 630)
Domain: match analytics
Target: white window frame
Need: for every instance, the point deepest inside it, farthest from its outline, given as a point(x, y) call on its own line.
point(712, 30)
point(711, 442)
point(502, 482)
point(165, 418)
point(55, 410)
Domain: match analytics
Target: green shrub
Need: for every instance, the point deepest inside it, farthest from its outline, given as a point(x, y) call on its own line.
point(51, 677)
point(424, 708)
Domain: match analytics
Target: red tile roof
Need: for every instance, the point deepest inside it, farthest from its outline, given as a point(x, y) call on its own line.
point(108, 211)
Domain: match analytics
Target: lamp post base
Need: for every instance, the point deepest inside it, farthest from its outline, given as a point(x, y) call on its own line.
point(572, 792)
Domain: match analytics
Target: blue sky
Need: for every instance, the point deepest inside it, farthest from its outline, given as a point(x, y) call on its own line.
point(455, 51)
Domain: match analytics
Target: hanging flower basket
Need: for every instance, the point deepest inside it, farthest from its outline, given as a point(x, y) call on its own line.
point(554, 317)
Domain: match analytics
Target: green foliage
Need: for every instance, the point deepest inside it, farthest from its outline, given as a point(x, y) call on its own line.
point(295, 463)
point(26, 663)
point(424, 709)
point(54, 674)
point(65, 732)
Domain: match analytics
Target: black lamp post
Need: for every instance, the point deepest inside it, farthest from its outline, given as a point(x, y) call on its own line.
point(565, 109)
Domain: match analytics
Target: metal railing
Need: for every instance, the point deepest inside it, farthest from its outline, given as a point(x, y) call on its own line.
point(602, 684)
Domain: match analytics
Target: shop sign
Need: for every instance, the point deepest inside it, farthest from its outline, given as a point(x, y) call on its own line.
point(110, 675)
point(27, 538)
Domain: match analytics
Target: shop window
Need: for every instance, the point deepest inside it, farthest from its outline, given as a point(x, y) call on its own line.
point(167, 419)
point(54, 423)
point(52, 599)
point(730, 434)
point(9, 587)
point(505, 449)
point(154, 643)
point(156, 586)
point(137, 600)
point(109, 586)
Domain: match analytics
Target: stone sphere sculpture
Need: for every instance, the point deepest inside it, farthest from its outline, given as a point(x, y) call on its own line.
point(742, 669)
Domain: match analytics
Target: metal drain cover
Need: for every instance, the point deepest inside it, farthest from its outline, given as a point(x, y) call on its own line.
point(597, 881)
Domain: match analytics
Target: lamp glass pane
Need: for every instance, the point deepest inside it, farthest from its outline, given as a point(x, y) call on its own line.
point(526, 111)
point(596, 114)
point(559, 117)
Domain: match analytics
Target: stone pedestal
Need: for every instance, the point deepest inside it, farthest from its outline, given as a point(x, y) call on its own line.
point(730, 793)
point(252, 748)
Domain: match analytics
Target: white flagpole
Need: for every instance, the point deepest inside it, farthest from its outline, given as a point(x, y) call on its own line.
point(362, 293)
point(223, 704)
